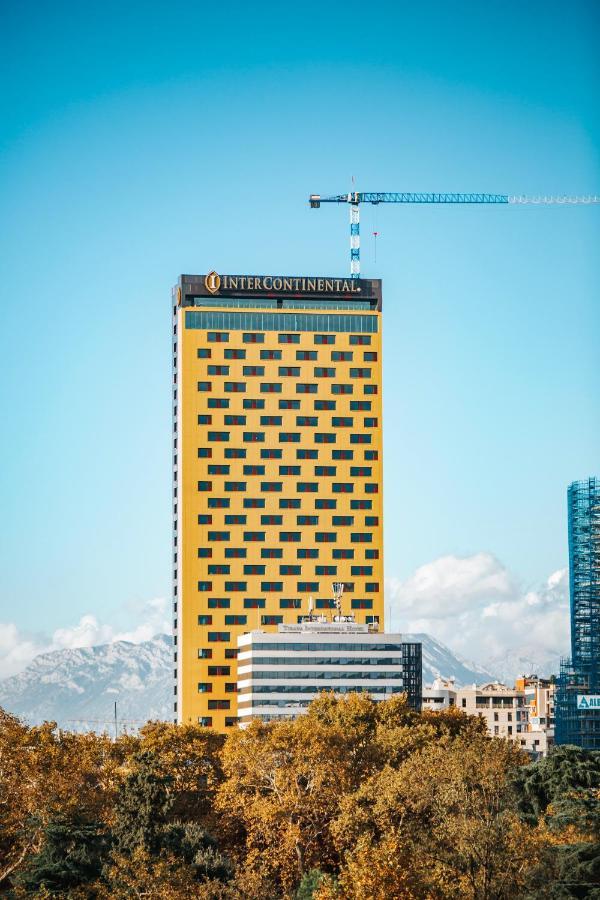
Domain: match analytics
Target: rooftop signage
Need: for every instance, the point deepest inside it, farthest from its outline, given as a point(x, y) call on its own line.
point(217, 284)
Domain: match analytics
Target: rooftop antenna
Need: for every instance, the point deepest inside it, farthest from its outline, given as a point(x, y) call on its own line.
point(310, 607)
point(338, 590)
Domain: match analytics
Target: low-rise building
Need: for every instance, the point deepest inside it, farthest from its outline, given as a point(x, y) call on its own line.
point(280, 673)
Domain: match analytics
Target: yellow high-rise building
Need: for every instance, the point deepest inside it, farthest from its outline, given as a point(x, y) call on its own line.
point(277, 467)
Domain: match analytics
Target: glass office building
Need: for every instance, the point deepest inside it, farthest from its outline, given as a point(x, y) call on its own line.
point(277, 468)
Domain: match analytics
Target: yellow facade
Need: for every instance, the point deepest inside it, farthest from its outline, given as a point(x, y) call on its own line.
point(277, 477)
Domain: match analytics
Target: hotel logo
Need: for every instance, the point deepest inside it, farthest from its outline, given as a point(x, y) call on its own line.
point(212, 282)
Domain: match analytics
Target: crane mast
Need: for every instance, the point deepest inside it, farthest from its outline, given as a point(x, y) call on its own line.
point(355, 198)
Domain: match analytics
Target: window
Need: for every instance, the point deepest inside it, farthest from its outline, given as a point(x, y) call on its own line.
point(371, 454)
point(231, 688)
point(306, 388)
point(290, 603)
point(217, 337)
point(323, 372)
point(270, 420)
point(235, 354)
point(253, 370)
point(289, 503)
point(254, 603)
point(289, 371)
point(325, 471)
point(253, 569)
point(308, 586)
point(370, 389)
point(324, 338)
point(307, 421)
point(271, 620)
point(324, 438)
point(270, 387)
point(271, 553)
point(343, 554)
point(289, 338)
point(325, 570)
point(254, 470)
point(271, 520)
point(361, 504)
point(271, 486)
point(355, 603)
point(218, 435)
point(340, 521)
point(218, 535)
point(342, 454)
point(236, 519)
point(325, 537)
point(270, 354)
point(218, 569)
point(237, 619)
point(205, 653)
point(219, 602)
point(360, 471)
point(361, 570)
point(253, 338)
point(289, 470)
point(204, 452)
point(254, 404)
point(230, 721)
point(270, 454)
point(289, 536)
point(203, 353)
point(205, 485)
point(307, 487)
point(204, 619)
point(361, 538)
point(370, 422)
point(254, 503)
point(204, 519)
point(235, 387)
point(307, 454)
point(218, 469)
point(360, 338)
point(290, 570)
point(271, 586)
point(306, 355)
point(204, 386)
point(348, 323)
point(372, 521)
point(218, 403)
point(325, 504)
point(307, 553)
point(371, 488)
point(235, 552)
point(325, 404)
point(204, 552)
point(205, 721)
point(342, 388)
point(254, 536)
point(360, 438)
point(233, 587)
point(307, 520)
point(371, 554)
point(289, 437)
point(235, 485)
point(342, 488)
point(360, 405)
point(216, 671)
point(254, 437)
point(369, 356)
point(289, 404)
point(218, 370)
point(219, 704)
point(231, 652)
point(235, 420)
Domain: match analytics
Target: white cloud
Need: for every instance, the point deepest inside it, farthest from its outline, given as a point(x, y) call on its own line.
point(17, 649)
point(478, 608)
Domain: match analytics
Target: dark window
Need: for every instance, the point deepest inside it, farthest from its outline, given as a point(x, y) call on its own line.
point(215, 671)
point(361, 504)
point(254, 603)
point(253, 338)
point(360, 338)
point(321, 603)
point(325, 471)
point(254, 470)
point(290, 603)
point(289, 338)
point(270, 454)
point(254, 437)
point(341, 355)
point(361, 604)
point(325, 438)
point(360, 405)
point(324, 372)
point(289, 503)
point(289, 404)
point(235, 387)
point(219, 502)
point(271, 586)
point(307, 553)
point(236, 519)
point(235, 420)
point(219, 704)
point(204, 687)
point(271, 553)
point(324, 338)
point(308, 586)
point(254, 503)
point(270, 354)
point(325, 570)
point(307, 520)
point(204, 552)
point(325, 504)
point(219, 602)
point(289, 437)
point(270, 387)
point(218, 403)
point(203, 353)
point(289, 536)
point(204, 452)
point(306, 355)
point(307, 454)
point(360, 471)
point(360, 438)
point(203, 419)
point(361, 570)
point(342, 488)
point(253, 370)
point(289, 371)
point(218, 435)
point(271, 486)
point(341, 521)
point(342, 388)
point(306, 388)
point(307, 487)
point(217, 337)
point(361, 538)
point(204, 619)
point(289, 470)
point(237, 619)
point(343, 554)
point(235, 485)
point(204, 519)
point(371, 454)
point(204, 386)
point(342, 454)
point(254, 404)
point(325, 404)
point(372, 588)
point(290, 570)
point(370, 356)
point(218, 469)
point(325, 537)
point(370, 422)
point(271, 620)
point(231, 652)
point(205, 721)
point(254, 536)
point(271, 520)
point(218, 535)
point(218, 370)
point(253, 569)
point(235, 354)
point(205, 485)
point(235, 553)
point(370, 389)
point(307, 421)
point(233, 587)
point(372, 521)
point(270, 420)
point(205, 653)
point(371, 488)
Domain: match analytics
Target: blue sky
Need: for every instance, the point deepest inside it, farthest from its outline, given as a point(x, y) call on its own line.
point(142, 140)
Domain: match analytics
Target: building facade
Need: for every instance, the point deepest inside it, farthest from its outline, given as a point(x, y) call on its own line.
point(280, 673)
point(277, 468)
point(578, 693)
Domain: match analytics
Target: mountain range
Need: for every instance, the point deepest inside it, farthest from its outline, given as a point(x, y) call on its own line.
point(78, 688)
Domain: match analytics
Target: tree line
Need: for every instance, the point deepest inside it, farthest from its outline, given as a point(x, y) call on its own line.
point(355, 800)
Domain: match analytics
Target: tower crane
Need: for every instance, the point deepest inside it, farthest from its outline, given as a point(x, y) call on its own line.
point(355, 198)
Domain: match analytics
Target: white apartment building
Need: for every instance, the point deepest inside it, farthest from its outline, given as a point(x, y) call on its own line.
point(280, 673)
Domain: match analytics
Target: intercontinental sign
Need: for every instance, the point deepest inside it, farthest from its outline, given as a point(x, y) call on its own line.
point(216, 284)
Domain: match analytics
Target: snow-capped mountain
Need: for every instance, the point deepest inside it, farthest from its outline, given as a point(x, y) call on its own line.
point(78, 688)
point(525, 660)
